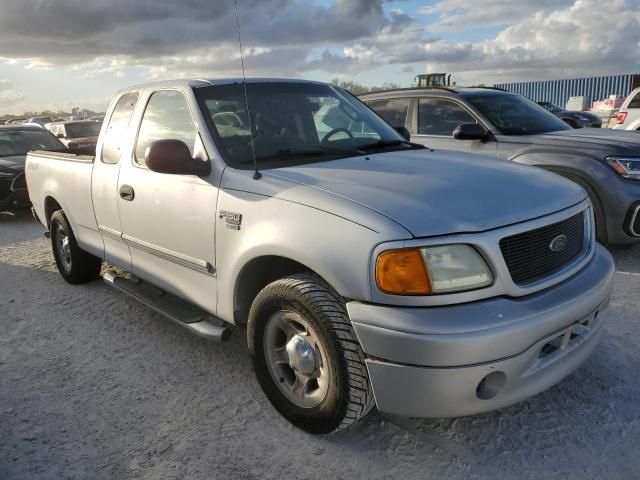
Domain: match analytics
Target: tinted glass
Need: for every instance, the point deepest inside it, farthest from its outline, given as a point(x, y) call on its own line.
point(79, 130)
point(437, 116)
point(116, 133)
point(635, 101)
point(515, 115)
point(22, 142)
point(291, 123)
point(167, 117)
point(393, 110)
point(550, 107)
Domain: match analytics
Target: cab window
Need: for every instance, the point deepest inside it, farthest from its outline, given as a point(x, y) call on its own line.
point(167, 117)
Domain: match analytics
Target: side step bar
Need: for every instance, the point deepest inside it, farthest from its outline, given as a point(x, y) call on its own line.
point(184, 314)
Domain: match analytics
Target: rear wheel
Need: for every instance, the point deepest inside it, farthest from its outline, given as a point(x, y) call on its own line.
point(306, 356)
point(74, 264)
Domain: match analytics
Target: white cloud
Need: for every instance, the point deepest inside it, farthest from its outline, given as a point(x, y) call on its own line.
point(462, 15)
point(582, 39)
point(9, 97)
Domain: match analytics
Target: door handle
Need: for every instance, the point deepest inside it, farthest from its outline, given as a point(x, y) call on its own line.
point(127, 193)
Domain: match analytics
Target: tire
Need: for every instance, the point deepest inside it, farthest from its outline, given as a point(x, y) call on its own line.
point(74, 264)
point(340, 394)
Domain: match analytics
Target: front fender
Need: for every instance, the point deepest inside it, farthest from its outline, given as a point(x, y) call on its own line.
point(335, 248)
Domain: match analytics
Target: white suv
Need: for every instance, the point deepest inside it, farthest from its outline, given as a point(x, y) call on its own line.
point(628, 117)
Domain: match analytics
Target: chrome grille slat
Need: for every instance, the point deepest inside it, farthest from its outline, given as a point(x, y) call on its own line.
point(528, 255)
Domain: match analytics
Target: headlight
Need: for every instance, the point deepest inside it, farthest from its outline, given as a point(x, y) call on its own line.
point(429, 270)
point(627, 167)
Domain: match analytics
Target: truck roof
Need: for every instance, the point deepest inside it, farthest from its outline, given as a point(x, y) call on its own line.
point(200, 83)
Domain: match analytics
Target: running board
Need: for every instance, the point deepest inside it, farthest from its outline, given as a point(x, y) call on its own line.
point(184, 314)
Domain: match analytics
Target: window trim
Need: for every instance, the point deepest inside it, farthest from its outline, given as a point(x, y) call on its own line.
point(134, 161)
point(108, 124)
point(440, 97)
point(635, 98)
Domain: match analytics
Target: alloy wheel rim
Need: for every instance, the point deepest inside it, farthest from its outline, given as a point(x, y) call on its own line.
point(296, 359)
point(64, 249)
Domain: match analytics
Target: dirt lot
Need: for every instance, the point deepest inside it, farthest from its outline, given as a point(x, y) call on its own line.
point(93, 385)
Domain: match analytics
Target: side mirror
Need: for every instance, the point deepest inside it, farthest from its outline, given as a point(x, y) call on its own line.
point(404, 132)
point(469, 131)
point(60, 135)
point(174, 157)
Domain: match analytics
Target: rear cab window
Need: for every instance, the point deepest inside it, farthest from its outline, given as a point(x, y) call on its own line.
point(116, 133)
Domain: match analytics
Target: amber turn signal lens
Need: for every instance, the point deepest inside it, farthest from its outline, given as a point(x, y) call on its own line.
point(402, 272)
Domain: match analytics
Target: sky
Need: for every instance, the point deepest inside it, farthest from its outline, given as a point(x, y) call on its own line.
point(57, 54)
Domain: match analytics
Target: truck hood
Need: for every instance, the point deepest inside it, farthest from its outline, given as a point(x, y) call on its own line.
point(432, 192)
point(14, 164)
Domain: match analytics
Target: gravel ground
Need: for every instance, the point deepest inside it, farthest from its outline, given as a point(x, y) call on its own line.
point(93, 385)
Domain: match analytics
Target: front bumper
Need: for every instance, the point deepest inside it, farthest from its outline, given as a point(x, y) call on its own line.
point(444, 362)
point(619, 198)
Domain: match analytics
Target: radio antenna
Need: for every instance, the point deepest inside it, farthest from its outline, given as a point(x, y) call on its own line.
point(256, 174)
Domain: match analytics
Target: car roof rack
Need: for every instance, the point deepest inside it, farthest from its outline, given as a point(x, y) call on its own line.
point(448, 89)
point(488, 87)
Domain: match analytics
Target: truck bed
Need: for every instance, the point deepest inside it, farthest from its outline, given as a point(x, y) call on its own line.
point(65, 177)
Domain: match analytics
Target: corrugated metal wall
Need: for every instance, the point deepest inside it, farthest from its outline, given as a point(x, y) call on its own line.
point(559, 91)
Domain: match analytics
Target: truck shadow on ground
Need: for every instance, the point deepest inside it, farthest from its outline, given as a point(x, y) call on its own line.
point(86, 374)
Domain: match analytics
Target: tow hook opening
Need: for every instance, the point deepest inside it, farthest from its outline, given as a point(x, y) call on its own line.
point(491, 385)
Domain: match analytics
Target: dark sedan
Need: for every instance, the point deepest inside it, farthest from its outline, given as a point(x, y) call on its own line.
point(15, 143)
point(573, 119)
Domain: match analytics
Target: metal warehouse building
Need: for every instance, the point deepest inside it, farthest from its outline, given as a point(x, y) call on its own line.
point(559, 91)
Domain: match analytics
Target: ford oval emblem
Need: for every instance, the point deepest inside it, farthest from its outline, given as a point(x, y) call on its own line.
point(558, 244)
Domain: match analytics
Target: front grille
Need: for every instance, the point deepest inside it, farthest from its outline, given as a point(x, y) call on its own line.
point(529, 256)
point(19, 182)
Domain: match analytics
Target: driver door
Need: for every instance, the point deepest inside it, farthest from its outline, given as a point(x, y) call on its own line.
point(168, 220)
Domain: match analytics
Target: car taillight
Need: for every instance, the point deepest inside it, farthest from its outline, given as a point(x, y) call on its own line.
point(621, 117)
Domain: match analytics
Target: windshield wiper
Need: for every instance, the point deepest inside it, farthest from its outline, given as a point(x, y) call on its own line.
point(310, 151)
point(384, 144)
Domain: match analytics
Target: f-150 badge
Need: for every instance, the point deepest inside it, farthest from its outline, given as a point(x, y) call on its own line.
point(232, 220)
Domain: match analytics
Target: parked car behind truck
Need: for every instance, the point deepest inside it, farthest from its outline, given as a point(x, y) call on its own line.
point(15, 143)
point(573, 119)
point(628, 117)
point(80, 135)
point(367, 270)
point(495, 123)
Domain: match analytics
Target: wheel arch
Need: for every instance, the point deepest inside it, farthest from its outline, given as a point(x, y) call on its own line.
point(50, 206)
point(256, 274)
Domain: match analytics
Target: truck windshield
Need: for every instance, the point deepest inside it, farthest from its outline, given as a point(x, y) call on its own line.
point(14, 142)
point(84, 129)
point(293, 123)
point(515, 115)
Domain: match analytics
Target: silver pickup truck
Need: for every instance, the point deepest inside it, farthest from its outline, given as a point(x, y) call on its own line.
point(366, 269)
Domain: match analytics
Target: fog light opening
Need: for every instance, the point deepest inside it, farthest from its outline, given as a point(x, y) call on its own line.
point(491, 385)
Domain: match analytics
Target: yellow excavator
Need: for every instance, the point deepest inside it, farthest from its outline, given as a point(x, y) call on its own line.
point(433, 80)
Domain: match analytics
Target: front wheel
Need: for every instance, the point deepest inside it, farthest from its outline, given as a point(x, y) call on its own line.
point(74, 264)
point(306, 355)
